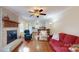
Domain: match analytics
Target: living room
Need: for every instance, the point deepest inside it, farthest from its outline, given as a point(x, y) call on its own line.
point(55, 20)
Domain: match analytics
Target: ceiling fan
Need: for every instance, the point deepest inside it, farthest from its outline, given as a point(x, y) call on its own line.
point(37, 12)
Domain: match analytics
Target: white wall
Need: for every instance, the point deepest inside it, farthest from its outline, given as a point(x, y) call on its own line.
point(69, 22)
point(0, 27)
point(7, 12)
point(23, 24)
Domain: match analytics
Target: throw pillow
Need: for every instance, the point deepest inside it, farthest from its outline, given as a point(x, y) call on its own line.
point(55, 36)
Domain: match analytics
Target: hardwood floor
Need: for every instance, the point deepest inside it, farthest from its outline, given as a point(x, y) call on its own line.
point(34, 46)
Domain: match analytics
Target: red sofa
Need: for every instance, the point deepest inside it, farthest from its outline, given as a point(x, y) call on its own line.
point(64, 42)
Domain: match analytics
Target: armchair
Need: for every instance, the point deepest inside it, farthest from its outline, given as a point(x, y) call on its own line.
point(27, 35)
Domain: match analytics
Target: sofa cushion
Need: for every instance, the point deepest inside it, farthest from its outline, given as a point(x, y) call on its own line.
point(67, 45)
point(61, 36)
point(56, 43)
point(69, 39)
point(77, 41)
point(61, 49)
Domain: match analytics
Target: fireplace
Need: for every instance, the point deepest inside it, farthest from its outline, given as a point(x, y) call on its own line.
point(11, 36)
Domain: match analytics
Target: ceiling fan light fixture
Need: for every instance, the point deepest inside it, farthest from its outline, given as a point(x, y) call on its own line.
point(37, 12)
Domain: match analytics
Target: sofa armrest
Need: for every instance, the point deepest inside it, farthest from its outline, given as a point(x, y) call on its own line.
point(49, 37)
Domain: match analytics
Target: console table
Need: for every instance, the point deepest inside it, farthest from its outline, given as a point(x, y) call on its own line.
point(43, 33)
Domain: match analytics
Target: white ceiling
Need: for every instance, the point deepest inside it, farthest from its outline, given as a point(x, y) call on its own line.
point(51, 11)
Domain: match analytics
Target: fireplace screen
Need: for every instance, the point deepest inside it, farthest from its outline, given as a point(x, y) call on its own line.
point(11, 36)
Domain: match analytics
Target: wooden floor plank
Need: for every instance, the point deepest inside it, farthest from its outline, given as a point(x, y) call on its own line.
point(34, 46)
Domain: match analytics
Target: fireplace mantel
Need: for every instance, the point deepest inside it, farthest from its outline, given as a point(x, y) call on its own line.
point(9, 23)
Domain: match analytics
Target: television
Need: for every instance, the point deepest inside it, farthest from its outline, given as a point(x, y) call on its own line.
point(11, 36)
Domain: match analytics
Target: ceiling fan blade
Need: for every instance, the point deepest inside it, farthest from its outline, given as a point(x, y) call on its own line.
point(31, 12)
point(42, 14)
point(40, 10)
